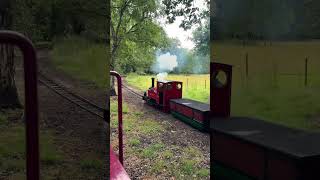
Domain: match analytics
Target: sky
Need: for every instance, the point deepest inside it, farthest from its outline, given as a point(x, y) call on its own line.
point(174, 31)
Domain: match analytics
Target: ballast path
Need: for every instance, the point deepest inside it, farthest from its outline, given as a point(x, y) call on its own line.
point(73, 98)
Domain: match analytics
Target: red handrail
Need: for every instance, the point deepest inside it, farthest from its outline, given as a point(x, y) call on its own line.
point(31, 99)
point(120, 136)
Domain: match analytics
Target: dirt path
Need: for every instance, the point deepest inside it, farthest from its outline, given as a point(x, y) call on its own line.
point(176, 134)
point(80, 136)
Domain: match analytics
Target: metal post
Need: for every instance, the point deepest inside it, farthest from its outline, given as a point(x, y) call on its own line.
point(247, 65)
point(306, 73)
point(31, 100)
point(120, 128)
point(187, 83)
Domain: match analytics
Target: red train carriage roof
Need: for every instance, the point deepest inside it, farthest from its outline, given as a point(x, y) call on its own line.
point(165, 81)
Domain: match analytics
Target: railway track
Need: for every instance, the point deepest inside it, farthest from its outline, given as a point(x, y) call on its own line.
point(73, 98)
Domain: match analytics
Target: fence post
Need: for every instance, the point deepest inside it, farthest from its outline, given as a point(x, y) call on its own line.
point(275, 73)
point(205, 84)
point(306, 73)
point(187, 82)
point(247, 69)
point(247, 65)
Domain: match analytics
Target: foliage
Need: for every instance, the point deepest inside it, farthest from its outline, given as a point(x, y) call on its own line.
point(81, 58)
point(186, 9)
point(201, 38)
point(42, 20)
point(266, 19)
point(135, 35)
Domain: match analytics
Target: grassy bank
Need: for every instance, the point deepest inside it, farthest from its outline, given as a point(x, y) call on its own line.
point(83, 59)
point(12, 149)
point(144, 145)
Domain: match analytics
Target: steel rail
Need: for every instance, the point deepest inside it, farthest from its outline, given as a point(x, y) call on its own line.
point(132, 91)
point(72, 97)
point(67, 90)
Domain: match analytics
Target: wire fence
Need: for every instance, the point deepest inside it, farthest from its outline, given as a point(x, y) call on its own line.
point(246, 74)
point(276, 71)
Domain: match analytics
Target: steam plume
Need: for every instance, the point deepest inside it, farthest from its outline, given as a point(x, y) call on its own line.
point(162, 76)
point(165, 62)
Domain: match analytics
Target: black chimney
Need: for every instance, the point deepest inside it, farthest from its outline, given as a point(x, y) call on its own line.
point(152, 82)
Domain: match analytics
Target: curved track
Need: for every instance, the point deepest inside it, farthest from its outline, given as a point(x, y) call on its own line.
point(73, 98)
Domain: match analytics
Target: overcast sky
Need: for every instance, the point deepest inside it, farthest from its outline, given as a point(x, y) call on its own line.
point(174, 31)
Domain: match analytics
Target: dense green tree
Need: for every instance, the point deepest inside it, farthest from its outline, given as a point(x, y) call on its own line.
point(312, 18)
point(43, 20)
point(184, 8)
point(135, 34)
point(201, 39)
point(266, 19)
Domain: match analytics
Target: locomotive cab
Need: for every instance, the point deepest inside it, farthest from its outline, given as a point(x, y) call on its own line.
point(164, 91)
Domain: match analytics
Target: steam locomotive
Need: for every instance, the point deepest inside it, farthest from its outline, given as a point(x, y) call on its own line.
point(167, 96)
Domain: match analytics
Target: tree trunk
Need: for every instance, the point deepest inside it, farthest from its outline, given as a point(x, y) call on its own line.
point(8, 91)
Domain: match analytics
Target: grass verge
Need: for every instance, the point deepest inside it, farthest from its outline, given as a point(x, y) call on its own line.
point(145, 145)
point(12, 150)
point(83, 59)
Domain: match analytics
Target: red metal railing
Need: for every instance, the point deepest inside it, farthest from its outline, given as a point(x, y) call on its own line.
point(31, 99)
point(119, 83)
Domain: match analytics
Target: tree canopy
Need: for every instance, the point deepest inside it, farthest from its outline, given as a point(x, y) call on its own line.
point(43, 20)
point(135, 34)
point(266, 19)
point(187, 9)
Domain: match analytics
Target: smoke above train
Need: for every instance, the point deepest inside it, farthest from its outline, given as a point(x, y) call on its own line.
point(165, 63)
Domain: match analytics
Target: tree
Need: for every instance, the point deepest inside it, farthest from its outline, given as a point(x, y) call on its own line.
point(135, 35)
point(312, 18)
point(201, 38)
point(8, 91)
point(186, 9)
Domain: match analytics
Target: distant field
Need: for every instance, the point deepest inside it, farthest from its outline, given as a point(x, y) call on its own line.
point(274, 89)
point(276, 64)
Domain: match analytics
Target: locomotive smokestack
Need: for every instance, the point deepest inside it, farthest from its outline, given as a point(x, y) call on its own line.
point(152, 82)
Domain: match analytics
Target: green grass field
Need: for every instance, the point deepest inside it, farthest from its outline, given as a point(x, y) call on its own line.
point(267, 93)
point(83, 59)
point(274, 64)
